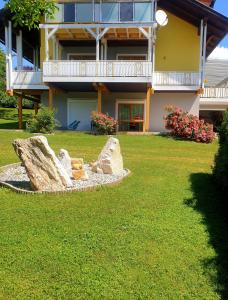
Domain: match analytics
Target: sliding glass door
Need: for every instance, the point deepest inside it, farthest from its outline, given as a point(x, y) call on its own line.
point(130, 116)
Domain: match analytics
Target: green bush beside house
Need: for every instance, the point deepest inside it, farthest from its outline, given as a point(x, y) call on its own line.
point(221, 159)
point(43, 122)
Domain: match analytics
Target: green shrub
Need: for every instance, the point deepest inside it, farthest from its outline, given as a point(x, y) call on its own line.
point(221, 159)
point(43, 122)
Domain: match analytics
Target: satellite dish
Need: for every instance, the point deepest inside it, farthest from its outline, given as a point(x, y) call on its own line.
point(161, 18)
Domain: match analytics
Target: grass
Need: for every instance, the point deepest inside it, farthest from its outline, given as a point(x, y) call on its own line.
point(161, 234)
point(9, 117)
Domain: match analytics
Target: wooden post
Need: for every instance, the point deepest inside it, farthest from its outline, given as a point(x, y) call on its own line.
point(99, 94)
point(50, 98)
point(20, 117)
point(36, 107)
point(147, 120)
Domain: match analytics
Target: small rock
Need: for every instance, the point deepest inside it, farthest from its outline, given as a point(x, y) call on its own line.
point(75, 161)
point(79, 174)
point(76, 166)
point(99, 170)
point(65, 160)
point(94, 167)
point(110, 159)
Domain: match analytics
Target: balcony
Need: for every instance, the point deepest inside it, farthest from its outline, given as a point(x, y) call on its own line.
point(215, 93)
point(214, 99)
point(176, 80)
point(97, 71)
point(111, 71)
point(28, 80)
point(118, 71)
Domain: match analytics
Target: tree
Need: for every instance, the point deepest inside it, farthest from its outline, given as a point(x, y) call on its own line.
point(28, 13)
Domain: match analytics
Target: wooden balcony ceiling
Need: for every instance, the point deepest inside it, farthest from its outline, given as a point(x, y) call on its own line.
point(112, 34)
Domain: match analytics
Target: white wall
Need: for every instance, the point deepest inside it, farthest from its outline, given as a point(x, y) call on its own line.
point(187, 101)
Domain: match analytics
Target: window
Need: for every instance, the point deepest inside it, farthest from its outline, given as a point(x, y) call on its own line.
point(126, 11)
point(69, 12)
point(84, 12)
point(143, 12)
point(131, 57)
point(130, 116)
point(82, 56)
point(110, 12)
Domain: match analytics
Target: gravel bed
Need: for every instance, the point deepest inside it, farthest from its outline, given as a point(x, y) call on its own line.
point(16, 176)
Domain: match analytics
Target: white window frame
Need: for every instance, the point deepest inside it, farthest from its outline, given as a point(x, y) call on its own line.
point(137, 54)
point(80, 53)
point(129, 101)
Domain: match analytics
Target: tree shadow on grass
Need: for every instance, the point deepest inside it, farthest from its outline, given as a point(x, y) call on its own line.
point(209, 201)
point(11, 125)
point(7, 114)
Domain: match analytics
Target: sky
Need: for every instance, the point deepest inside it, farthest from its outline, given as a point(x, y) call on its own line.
point(222, 7)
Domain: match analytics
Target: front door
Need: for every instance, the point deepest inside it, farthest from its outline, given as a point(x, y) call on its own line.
point(130, 116)
point(79, 114)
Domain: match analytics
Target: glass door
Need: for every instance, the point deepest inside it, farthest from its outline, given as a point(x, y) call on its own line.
point(130, 116)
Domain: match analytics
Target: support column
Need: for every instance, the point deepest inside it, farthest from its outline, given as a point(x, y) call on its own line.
point(97, 46)
point(20, 116)
point(150, 45)
point(46, 45)
point(97, 49)
point(105, 49)
point(50, 98)
point(204, 52)
point(9, 58)
point(99, 99)
point(147, 119)
point(19, 51)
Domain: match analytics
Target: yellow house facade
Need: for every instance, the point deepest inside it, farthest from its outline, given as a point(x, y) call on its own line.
point(127, 59)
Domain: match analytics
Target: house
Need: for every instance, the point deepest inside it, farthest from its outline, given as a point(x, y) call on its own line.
point(114, 57)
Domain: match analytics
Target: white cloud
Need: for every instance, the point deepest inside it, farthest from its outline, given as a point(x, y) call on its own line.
point(219, 53)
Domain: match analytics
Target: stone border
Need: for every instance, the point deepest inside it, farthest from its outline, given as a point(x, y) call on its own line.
point(83, 189)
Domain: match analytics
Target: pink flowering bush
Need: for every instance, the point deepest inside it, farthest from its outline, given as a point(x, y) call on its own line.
point(103, 123)
point(187, 126)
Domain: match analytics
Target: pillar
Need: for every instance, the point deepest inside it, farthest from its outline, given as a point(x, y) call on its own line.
point(147, 119)
point(20, 117)
point(46, 45)
point(99, 92)
point(19, 51)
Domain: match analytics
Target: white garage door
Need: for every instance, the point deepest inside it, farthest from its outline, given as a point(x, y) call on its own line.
point(79, 113)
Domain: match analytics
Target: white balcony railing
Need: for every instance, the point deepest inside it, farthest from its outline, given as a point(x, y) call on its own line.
point(213, 92)
point(121, 71)
point(27, 79)
point(176, 79)
point(73, 70)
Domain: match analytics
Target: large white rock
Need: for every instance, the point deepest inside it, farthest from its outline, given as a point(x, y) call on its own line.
point(43, 167)
point(65, 161)
point(110, 160)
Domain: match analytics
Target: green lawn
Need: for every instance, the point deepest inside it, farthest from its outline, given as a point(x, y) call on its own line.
point(9, 117)
point(161, 234)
